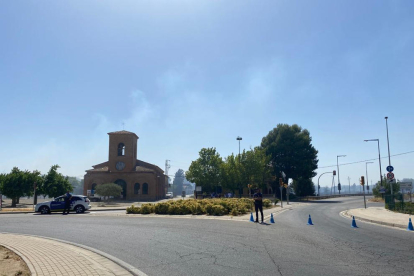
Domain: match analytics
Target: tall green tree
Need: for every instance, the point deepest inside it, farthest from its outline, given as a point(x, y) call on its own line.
point(230, 174)
point(205, 171)
point(290, 150)
point(303, 187)
point(178, 182)
point(54, 183)
point(253, 168)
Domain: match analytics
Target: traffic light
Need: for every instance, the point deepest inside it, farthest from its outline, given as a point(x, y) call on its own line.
point(339, 186)
point(362, 180)
point(334, 172)
point(280, 182)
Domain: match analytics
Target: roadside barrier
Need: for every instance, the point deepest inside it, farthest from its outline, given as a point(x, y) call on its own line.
point(310, 221)
point(273, 221)
point(353, 225)
point(410, 225)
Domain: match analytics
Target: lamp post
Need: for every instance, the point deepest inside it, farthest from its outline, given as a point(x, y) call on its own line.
point(337, 165)
point(240, 189)
point(320, 178)
point(389, 156)
point(379, 156)
point(366, 173)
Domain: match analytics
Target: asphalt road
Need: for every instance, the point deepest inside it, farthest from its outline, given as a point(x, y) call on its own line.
point(171, 246)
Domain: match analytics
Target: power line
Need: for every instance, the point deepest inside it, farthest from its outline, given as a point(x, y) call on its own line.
point(365, 160)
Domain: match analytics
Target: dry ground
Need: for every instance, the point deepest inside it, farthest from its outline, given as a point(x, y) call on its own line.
point(11, 264)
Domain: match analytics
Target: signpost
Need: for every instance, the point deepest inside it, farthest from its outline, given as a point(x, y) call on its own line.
point(390, 175)
point(390, 169)
point(382, 190)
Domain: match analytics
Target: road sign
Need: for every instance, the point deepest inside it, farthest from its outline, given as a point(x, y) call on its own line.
point(390, 169)
point(382, 190)
point(390, 175)
point(406, 185)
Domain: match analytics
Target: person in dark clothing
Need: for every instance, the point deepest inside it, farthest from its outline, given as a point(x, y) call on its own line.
point(68, 197)
point(258, 204)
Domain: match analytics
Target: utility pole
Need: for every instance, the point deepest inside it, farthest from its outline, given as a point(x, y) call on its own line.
point(167, 166)
point(389, 156)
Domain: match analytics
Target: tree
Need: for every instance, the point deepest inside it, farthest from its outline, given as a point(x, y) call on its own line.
point(387, 186)
point(13, 185)
point(205, 171)
point(178, 182)
point(109, 189)
point(229, 172)
point(303, 187)
point(253, 168)
point(291, 151)
point(54, 183)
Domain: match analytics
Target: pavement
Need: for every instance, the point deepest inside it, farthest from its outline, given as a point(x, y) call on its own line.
point(379, 215)
point(45, 256)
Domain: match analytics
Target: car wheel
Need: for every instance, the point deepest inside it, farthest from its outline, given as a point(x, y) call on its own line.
point(79, 209)
point(44, 210)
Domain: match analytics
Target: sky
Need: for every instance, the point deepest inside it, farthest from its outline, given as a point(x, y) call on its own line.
point(184, 75)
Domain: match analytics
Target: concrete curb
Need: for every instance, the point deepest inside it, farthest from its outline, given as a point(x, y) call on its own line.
point(33, 212)
point(128, 267)
point(345, 214)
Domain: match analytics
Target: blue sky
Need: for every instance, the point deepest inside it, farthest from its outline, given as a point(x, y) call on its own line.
point(184, 75)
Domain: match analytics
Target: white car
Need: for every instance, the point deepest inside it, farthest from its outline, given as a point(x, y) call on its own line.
point(169, 195)
point(78, 203)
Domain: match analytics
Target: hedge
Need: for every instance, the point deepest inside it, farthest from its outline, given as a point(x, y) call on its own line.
point(213, 207)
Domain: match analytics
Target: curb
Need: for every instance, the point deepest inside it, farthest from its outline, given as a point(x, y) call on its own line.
point(345, 214)
point(33, 212)
point(133, 270)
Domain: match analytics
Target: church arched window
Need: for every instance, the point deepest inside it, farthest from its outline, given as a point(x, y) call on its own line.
point(121, 149)
point(145, 188)
point(136, 188)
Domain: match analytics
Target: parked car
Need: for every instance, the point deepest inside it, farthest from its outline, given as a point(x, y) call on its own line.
point(169, 195)
point(78, 203)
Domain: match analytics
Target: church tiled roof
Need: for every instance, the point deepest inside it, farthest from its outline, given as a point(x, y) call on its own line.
point(122, 132)
point(101, 169)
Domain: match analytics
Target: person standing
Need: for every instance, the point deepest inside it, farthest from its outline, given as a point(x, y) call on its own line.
point(258, 204)
point(68, 197)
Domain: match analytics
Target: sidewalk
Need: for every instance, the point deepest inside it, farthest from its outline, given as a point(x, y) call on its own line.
point(380, 215)
point(46, 256)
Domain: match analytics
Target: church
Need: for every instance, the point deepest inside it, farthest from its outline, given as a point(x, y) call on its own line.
point(139, 180)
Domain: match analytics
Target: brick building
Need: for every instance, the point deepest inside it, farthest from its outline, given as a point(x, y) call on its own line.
point(139, 180)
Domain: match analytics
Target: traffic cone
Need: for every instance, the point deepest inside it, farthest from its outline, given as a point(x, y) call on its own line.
point(410, 225)
point(310, 221)
point(353, 223)
point(251, 217)
point(273, 221)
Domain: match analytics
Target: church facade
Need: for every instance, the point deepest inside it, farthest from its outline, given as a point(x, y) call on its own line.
point(139, 180)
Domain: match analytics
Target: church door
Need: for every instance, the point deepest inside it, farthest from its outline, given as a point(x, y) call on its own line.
point(122, 183)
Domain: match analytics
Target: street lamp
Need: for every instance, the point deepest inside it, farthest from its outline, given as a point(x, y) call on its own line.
point(337, 165)
point(366, 172)
point(389, 156)
point(240, 189)
point(320, 178)
point(239, 139)
point(379, 156)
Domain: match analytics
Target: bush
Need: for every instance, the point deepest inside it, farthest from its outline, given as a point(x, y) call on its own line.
point(213, 207)
point(266, 203)
point(161, 208)
point(276, 201)
point(133, 210)
point(147, 208)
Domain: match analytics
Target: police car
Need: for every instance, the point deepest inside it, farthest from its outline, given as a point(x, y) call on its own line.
point(78, 203)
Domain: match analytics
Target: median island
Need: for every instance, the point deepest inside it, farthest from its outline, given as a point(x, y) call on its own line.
point(212, 207)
